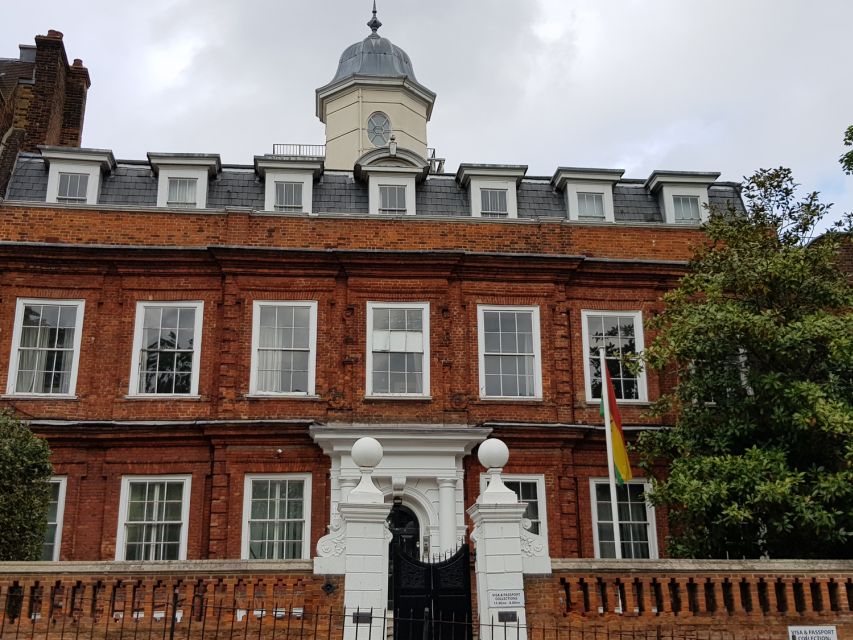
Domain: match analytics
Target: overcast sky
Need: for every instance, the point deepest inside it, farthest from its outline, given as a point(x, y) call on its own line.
point(718, 85)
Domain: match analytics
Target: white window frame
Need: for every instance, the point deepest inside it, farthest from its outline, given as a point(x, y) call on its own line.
point(424, 307)
point(539, 479)
point(312, 345)
point(62, 481)
point(14, 357)
point(183, 204)
point(537, 350)
point(642, 389)
point(396, 189)
point(650, 516)
point(89, 169)
point(605, 189)
point(200, 176)
point(477, 184)
point(122, 510)
point(133, 391)
point(375, 180)
point(668, 191)
point(65, 199)
point(272, 176)
point(306, 511)
point(691, 199)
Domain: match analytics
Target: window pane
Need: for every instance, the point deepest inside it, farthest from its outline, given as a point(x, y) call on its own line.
point(72, 187)
point(284, 350)
point(45, 353)
point(686, 208)
point(166, 356)
point(617, 335)
point(633, 520)
point(493, 202)
point(590, 205)
point(288, 196)
point(392, 198)
point(511, 333)
point(155, 509)
point(397, 345)
point(182, 192)
point(276, 521)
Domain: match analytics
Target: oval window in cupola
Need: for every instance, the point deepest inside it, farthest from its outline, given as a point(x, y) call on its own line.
point(379, 129)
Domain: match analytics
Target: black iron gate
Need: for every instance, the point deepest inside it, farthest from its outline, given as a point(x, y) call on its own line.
point(432, 600)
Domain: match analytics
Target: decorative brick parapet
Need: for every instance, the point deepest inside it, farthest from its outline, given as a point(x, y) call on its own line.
point(97, 595)
point(766, 594)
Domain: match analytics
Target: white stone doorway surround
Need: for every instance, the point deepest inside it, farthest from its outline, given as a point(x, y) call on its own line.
point(421, 466)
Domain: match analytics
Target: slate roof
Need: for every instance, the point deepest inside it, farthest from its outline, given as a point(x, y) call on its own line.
point(12, 70)
point(134, 183)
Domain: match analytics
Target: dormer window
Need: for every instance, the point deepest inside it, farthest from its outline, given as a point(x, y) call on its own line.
point(589, 192)
point(683, 195)
point(391, 174)
point(73, 187)
point(288, 196)
point(492, 188)
point(493, 203)
point(288, 182)
point(183, 178)
point(74, 174)
point(392, 198)
point(182, 192)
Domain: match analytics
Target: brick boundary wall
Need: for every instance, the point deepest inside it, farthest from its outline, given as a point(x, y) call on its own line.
point(660, 598)
point(751, 598)
point(64, 600)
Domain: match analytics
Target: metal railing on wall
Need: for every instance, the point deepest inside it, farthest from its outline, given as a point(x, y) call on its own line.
point(307, 150)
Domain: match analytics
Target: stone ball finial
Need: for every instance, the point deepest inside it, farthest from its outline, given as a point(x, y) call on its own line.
point(367, 452)
point(493, 454)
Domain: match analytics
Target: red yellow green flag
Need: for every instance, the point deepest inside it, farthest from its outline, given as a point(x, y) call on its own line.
point(621, 464)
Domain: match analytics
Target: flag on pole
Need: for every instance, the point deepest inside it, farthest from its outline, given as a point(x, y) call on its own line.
point(621, 464)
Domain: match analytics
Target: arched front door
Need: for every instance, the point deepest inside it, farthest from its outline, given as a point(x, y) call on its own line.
point(405, 529)
point(405, 536)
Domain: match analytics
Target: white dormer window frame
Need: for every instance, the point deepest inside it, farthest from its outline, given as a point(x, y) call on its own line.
point(669, 192)
point(191, 166)
point(690, 184)
point(375, 180)
point(478, 185)
point(578, 182)
point(276, 170)
point(169, 173)
point(275, 177)
point(573, 193)
point(478, 178)
point(91, 163)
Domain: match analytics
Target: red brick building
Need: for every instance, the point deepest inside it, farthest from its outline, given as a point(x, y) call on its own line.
point(201, 343)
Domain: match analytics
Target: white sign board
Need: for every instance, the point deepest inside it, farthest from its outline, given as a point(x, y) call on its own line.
point(505, 599)
point(813, 633)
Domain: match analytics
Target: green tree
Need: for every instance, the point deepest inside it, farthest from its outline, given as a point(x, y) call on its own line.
point(759, 335)
point(846, 158)
point(25, 470)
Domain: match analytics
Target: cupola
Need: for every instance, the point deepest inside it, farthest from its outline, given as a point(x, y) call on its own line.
point(373, 95)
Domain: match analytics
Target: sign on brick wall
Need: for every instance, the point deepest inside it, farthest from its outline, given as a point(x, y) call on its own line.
point(825, 632)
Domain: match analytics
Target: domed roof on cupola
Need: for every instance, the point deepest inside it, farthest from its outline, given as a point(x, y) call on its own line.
point(374, 56)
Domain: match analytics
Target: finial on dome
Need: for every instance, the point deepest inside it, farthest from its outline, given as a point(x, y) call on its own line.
point(374, 23)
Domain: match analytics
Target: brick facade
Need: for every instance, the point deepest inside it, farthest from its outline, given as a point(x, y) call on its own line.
point(229, 260)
